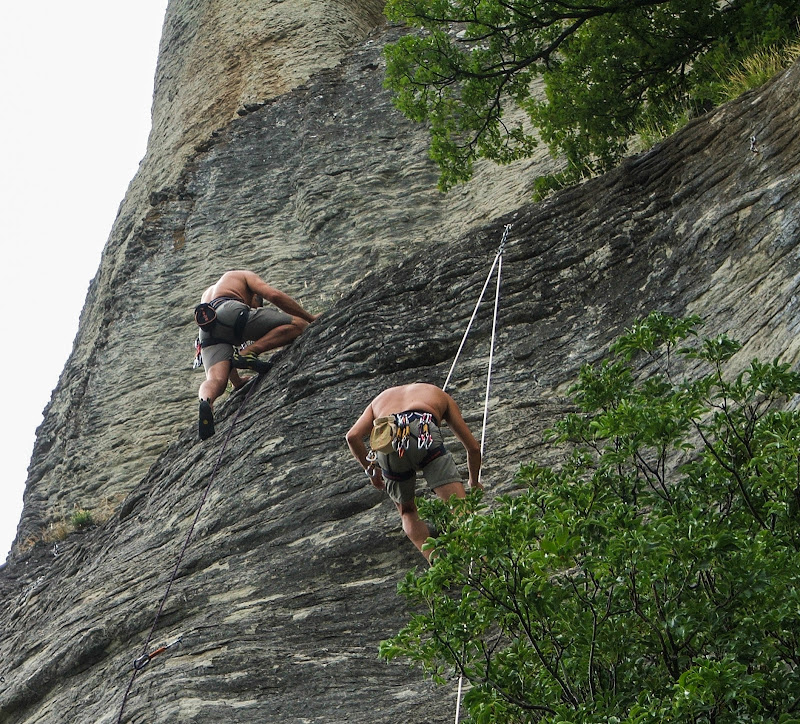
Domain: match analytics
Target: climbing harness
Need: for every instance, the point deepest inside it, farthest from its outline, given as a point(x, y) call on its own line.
point(205, 316)
point(142, 661)
point(497, 263)
point(393, 433)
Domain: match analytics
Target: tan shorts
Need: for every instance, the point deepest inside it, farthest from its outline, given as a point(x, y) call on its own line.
point(260, 321)
point(436, 464)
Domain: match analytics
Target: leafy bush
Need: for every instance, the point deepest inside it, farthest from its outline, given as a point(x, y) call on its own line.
point(606, 70)
point(81, 519)
point(655, 575)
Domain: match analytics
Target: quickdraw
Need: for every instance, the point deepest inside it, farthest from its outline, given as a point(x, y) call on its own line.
point(424, 436)
point(402, 438)
point(372, 464)
point(145, 659)
point(198, 354)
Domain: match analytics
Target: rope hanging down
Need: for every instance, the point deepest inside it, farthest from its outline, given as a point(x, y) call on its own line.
point(498, 262)
point(141, 662)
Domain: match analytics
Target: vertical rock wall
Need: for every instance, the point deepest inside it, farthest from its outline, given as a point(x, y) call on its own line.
point(288, 582)
point(312, 188)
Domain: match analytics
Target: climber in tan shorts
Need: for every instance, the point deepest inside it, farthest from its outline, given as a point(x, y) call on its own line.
point(416, 410)
point(235, 301)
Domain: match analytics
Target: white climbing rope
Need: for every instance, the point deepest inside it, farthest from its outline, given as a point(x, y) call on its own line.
point(497, 260)
point(491, 345)
point(458, 700)
point(498, 263)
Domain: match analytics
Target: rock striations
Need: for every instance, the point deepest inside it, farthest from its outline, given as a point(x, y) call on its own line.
point(275, 148)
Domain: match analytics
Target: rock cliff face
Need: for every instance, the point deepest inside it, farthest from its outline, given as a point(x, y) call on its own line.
point(275, 148)
point(313, 190)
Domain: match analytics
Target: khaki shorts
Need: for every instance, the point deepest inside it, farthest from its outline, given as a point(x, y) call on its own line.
point(435, 463)
point(260, 321)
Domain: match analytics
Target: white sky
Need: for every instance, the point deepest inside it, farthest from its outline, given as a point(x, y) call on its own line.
point(76, 85)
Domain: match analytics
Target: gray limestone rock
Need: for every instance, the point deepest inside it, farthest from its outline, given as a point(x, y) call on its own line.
point(287, 583)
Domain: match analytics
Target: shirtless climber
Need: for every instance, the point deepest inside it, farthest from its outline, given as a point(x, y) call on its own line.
point(237, 298)
point(417, 410)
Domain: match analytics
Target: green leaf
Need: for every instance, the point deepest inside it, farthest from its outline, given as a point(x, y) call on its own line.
point(653, 575)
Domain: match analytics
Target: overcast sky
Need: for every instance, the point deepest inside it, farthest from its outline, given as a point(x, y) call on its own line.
point(76, 89)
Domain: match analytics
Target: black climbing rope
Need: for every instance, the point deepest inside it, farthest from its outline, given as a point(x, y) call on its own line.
point(141, 662)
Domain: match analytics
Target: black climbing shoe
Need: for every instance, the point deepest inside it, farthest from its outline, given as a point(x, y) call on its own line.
point(206, 423)
point(250, 362)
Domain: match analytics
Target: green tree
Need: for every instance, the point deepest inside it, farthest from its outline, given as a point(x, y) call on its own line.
point(652, 577)
point(608, 68)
